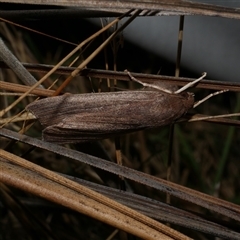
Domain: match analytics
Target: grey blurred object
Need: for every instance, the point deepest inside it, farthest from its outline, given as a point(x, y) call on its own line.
point(210, 44)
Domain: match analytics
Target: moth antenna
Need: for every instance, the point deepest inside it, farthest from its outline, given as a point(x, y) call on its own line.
point(191, 84)
point(146, 84)
point(209, 96)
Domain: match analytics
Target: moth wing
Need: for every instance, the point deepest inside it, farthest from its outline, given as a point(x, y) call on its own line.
point(116, 116)
point(53, 110)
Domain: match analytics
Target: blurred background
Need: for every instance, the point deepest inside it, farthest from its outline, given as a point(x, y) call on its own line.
point(210, 44)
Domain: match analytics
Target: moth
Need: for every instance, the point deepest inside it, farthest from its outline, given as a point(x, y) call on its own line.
point(94, 116)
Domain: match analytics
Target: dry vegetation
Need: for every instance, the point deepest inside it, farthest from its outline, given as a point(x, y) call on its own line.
point(205, 155)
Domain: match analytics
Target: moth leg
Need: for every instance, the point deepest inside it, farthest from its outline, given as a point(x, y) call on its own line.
point(148, 85)
point(191, 84)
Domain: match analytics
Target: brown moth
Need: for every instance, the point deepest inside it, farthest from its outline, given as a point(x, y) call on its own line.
point(90, 117)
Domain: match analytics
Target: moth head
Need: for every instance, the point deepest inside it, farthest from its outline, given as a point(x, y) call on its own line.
point(188, 100)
